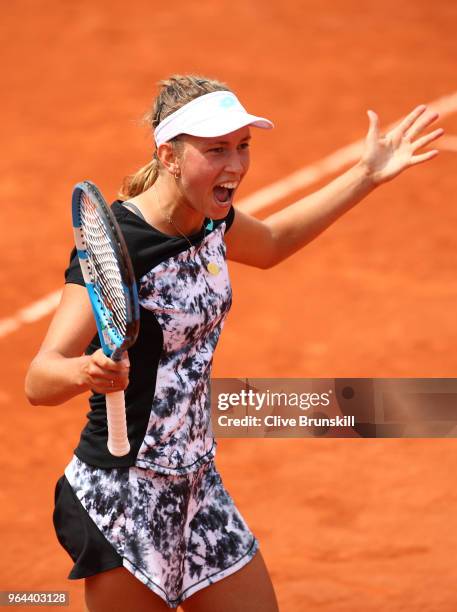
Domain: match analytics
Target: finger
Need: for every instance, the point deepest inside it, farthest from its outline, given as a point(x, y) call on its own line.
point(102, 360)
point(425, 140)
point(106, 381)
point(410, 119)
point(421, 124)
point(373, 129)
point(97, 371)
point(100, 371)
point(419, 159)
point(108, 385)
point(105, 363)
point(122, 366)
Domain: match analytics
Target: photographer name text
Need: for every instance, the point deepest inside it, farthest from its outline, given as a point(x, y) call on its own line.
point(272, 420)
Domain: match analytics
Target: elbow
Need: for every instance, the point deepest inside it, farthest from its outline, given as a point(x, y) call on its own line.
point(269, 260)
point(31, 389)
point(32, 401)
point(36, 400)
point(31, 396)
point(265, 265)
point(40, 386)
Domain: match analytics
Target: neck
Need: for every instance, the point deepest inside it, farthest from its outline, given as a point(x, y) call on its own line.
point(165, 208)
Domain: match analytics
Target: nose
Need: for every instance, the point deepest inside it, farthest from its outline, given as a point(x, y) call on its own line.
point(236, 163)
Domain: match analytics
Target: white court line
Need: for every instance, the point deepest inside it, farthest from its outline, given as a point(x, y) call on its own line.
point(255, 203)
point(35, 311)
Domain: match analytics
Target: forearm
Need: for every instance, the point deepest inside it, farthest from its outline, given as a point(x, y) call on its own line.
point(53, 379)
point(298, 224)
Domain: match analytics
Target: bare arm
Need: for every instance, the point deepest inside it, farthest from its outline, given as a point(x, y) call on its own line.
point(266, 243)
point(60, 370)
point(263, 244)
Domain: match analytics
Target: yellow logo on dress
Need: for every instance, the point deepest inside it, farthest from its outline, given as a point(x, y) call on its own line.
point(213, 268)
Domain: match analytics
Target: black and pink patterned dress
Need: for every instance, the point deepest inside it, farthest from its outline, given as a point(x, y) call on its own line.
point(162, 511)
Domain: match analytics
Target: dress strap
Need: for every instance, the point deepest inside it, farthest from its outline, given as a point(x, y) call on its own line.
point(134, 208)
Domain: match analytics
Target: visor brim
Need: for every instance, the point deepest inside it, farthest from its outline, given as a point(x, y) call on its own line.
point(214, 126)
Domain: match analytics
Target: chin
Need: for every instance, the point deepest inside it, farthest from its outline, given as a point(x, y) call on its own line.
point(220, 210)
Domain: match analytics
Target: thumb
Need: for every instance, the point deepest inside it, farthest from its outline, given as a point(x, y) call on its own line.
point(125, 358)
point(373, 130)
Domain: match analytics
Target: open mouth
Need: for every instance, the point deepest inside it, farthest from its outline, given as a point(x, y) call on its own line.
point(223, 193)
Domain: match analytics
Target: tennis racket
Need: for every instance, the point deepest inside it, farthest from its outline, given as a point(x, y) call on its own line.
point(110, 281)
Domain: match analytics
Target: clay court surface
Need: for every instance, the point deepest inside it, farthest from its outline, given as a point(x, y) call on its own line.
point(353, 525)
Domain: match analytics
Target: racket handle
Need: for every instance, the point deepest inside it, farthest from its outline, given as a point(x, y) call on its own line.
point(118, 442)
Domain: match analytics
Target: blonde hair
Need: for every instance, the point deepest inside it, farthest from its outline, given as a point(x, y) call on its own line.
point(175, 92)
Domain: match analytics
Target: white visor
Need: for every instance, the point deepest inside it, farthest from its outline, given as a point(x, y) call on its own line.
point(213, 114)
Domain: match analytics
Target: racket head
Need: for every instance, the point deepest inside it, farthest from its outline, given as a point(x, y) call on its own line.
point(107, 270)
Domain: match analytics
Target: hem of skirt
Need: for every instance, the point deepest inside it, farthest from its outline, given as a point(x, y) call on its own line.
point(95, 572)
point(197, 586)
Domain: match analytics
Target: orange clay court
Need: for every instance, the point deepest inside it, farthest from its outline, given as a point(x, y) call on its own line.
point(353, 525)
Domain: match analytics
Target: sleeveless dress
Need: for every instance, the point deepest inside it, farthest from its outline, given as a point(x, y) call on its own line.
point(162, 511)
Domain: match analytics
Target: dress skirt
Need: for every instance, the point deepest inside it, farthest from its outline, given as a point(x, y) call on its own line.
point(175, 533)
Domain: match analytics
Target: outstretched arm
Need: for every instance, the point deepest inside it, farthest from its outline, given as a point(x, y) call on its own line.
point(266, 243)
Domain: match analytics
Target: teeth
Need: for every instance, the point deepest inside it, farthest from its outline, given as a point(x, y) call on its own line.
point(229, 185)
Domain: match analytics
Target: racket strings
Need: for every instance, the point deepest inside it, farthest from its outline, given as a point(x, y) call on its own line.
point(103, 265)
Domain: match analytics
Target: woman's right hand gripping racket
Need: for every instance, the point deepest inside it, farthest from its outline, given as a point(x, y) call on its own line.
point(110, 282)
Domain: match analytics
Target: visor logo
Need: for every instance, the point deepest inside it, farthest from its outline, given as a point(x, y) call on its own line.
point(227, 102)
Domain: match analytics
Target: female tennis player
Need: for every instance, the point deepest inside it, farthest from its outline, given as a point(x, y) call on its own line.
point(156, 529)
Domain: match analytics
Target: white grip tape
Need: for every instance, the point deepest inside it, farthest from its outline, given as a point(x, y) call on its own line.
point(118, 442)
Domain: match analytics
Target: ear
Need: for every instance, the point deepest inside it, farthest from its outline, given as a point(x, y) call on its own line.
point(168, 158)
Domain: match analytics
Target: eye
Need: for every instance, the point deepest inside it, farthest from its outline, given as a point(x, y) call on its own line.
point(244, 145)
point(217, 150)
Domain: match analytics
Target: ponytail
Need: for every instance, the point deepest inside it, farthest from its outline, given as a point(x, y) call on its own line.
point(145, 177)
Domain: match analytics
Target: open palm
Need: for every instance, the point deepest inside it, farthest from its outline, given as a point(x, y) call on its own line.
point(386, 156)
